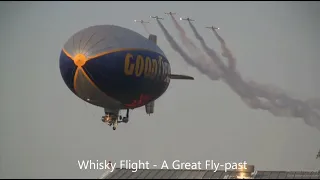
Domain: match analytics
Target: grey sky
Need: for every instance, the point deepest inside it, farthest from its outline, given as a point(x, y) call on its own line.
point(45, 129)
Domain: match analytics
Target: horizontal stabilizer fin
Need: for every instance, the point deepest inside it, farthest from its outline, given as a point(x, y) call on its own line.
point(153, 38)
point(178, 76)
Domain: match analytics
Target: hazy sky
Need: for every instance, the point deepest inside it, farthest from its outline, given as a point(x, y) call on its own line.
point(45, 129)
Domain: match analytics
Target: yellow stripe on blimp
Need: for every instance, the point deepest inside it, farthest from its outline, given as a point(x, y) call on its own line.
point(80, 59)
point(85, 75)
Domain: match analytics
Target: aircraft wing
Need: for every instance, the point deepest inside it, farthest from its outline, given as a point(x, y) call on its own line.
point(178, 76)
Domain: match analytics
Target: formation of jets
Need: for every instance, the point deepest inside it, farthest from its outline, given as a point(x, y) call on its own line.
point(171, 14)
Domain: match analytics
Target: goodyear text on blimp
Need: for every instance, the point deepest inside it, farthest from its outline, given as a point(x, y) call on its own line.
point(128, 164)
point(147, 67)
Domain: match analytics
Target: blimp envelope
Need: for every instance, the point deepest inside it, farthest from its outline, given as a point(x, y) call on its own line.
point(115, 67)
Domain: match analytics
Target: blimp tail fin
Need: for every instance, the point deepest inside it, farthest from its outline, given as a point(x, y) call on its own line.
point(153, 38)
point(178, 76)
point(150, 106)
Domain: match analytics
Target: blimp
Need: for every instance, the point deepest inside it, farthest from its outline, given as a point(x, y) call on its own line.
point(117, 69)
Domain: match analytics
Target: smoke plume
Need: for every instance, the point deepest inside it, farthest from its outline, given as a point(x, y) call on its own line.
point(145, 28)
point(226, 52)
point(264, 97)
point(185, 40)
point(195, 51)
point(174, 45)
point(210, 52)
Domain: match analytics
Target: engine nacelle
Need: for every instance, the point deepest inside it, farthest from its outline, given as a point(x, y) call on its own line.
point(150, 107)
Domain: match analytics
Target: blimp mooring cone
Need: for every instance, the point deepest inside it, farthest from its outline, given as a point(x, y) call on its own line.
point(80, 60)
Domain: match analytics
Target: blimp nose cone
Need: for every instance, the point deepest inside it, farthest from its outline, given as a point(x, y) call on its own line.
point(80, 60)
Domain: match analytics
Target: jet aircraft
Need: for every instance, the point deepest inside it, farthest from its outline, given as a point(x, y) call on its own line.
point(156, 17)
point(141, 21)
point(186, 19)
point(213, 28)
point(170, 13)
